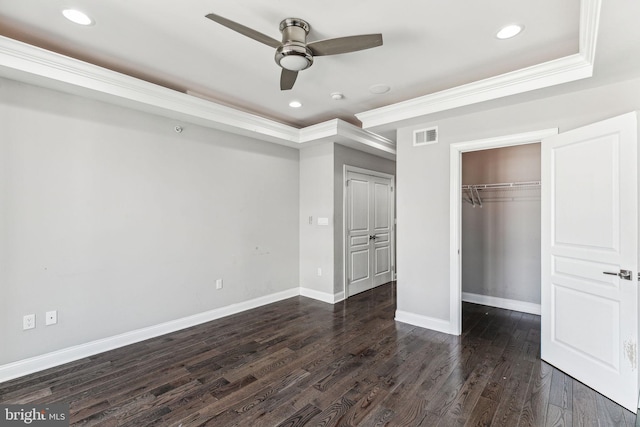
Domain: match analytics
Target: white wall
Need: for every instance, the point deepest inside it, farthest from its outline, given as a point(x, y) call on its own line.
point(423, 182)
point(501, 239)
point(119, 223)
point(316, 201)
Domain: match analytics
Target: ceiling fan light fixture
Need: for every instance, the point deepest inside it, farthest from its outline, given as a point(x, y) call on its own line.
point(509, 31)
point(77, 17)
point(294, 56)
point(294, 62)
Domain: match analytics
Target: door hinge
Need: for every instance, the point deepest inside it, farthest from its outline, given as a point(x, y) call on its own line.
point(392, 189)
point(631, 353)
point(347, 182)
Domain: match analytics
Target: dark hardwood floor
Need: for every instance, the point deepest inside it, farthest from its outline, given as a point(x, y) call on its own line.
point(302, 362)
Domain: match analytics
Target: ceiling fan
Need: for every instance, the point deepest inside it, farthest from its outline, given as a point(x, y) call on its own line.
point(293, 53)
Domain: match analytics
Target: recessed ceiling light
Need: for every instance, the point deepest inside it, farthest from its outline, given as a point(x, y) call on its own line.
point(509, 31)
point(78, 17)
point(295, 104)
point(379, 89)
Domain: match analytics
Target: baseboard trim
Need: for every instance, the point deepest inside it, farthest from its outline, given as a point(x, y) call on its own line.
point(426, 322)
point(509, 304)
point(70, 354)
point(322, 296)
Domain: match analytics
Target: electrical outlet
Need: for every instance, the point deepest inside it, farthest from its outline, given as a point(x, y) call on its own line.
point(319, 271)
point(29, 321)
point(219, 284)
point(51, 317)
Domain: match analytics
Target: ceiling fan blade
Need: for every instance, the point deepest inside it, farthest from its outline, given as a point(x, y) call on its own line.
point(246, 31)
point(287, 79)
point(345, 44)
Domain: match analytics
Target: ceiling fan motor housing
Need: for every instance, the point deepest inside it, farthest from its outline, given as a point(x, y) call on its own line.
point(294, 54)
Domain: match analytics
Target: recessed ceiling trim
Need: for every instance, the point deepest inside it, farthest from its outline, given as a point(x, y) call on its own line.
point(346, 134)
point(23, 62)
point(589, 26)
point(551, 73)
point(31, 64)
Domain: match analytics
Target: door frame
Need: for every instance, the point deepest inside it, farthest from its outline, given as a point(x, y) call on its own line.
point(455, 212)
point(345, 252)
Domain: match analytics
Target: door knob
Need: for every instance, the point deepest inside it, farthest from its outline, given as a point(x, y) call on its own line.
point(623, 274)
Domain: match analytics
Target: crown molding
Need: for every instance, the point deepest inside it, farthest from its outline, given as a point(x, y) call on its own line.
point(30, 64)
point(551, 73)
point(346, 134)
point(589, 26)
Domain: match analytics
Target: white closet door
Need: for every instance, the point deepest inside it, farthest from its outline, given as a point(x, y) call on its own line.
point(359, 277)
point(369, 232)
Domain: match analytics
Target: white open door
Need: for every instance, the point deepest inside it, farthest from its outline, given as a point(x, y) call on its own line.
point(590, 256)
point(369, 232)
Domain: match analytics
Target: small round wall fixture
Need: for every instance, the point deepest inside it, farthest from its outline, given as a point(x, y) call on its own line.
point(77, 17)
point(509, 31)
point(295, 104)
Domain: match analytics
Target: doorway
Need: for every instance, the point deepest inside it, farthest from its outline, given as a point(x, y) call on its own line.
point(455, 260)
point(589, 292)
point(369, 235)
point(501, 227)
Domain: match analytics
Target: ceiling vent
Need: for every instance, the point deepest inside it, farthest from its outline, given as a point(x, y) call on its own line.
point(425, 136)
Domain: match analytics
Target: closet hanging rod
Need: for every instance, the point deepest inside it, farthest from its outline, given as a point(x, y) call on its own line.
point(501, 185)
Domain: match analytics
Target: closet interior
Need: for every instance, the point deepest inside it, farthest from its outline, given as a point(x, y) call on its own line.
point(501, 227)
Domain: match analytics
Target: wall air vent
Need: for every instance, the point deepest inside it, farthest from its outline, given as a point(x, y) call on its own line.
point(425, 136)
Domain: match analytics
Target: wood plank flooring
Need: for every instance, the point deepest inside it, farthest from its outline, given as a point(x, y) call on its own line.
point(300, 362)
